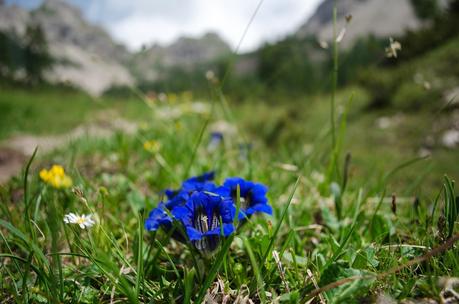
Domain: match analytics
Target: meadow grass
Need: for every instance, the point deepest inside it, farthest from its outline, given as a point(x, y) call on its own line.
point(48, 110)
point(275, 127)
point(327, 226)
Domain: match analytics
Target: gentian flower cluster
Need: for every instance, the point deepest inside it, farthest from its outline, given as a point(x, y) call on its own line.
point(202, 212)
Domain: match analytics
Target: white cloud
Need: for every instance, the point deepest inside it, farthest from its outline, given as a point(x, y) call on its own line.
point(139, 22)
point(161, 21)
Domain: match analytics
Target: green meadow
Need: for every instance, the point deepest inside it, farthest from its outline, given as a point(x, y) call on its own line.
point(363, 211)
point(346, 194)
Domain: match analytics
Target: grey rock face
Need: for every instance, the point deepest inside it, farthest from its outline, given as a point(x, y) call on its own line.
point(186, 52)
point(13, 19)
point(381, 18)
point(88, 58)
point(86, 55)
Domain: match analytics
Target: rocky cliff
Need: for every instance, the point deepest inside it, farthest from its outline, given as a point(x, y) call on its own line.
point(377, 17)
point(87, 57)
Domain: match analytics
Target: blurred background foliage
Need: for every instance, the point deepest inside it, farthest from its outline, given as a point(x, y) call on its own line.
point(287, 86)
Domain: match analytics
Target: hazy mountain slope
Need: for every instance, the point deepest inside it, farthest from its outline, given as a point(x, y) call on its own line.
point(378, 17)
point(86, 55)
point(88, 58)
point(13, 19)
point(96, 62)
point(185, 52)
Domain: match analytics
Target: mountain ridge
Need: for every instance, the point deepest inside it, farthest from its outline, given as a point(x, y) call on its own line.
point(89, 58)
point(97, 62)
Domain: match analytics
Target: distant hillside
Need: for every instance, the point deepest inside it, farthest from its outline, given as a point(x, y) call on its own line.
point(185, 52)
point(85, 54)
point(87, 57)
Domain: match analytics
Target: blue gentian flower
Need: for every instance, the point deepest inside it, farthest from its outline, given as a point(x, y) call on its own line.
point(177, 200)
point(170, 193)
point(197, 183)
point(158, 217)
point(200, 183)
point(204, 213)
point(252, 195)
point(206, 216)
point(208, 176)
point(216, 138)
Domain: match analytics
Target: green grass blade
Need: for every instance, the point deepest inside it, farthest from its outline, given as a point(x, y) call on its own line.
point(140, 272)
point(284, 213)
point(26, 192)
point(256, 270)
point(215, 268)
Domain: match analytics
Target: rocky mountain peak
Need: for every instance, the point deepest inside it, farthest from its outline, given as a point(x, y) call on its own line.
point(89, 58)
point(186, 52)
point(61, 8)
point(189, 50)
point(85, 54)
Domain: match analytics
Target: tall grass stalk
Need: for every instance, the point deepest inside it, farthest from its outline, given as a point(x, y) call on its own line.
point(334, 78)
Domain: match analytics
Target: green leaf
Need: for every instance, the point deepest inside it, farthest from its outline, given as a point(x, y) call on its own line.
point(451, 209)
point(347, 292)
point(136, 200)
point(365, 258)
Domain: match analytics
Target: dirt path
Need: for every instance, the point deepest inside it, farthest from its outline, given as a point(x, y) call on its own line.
point(15, 151)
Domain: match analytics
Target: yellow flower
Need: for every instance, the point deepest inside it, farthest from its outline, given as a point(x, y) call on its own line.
point(152, 146)
point(45, 175)
point(178, 126)
point(172, 97)
point(56, 177)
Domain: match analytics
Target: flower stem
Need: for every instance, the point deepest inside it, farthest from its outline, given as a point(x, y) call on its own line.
point(334, 78)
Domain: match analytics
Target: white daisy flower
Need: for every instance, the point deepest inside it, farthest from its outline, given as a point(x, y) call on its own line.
point(82, 220)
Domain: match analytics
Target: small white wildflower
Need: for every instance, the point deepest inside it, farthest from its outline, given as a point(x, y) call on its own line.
point(323, 44)
point(317, 177)
point(394, 46)
point(224, 127)
point(210, 75)
point(450, 138)
point(384, 122)
point(199, 107)
point(162, 97)
point(427, 86)
point(287, 167)
point(341, 35)
point(424, 152)
point(82, 220)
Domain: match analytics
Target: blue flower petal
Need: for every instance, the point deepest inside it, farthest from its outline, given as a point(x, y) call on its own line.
point(170, 193)
point(208, 176)
point(193, 234)
point(228, 229)
point(158, 218)
point(227, 211)
point(265, 208)
point(253, 194)
point(178, 200)
point(183, 214)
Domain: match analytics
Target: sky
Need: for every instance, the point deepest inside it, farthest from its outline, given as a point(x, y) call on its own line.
point(143, 22)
